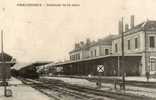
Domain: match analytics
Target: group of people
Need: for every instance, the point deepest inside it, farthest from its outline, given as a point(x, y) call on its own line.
point(98, 83)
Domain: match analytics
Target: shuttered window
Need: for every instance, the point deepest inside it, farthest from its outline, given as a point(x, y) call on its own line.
point(106, 52)
point(152, 41)
point(116, 47)
point(136, 43)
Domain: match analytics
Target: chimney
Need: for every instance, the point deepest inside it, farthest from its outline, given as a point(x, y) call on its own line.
point(81, 43)
point(77, 45)
point(99, 40)
point(132, 21)
point(120, 27)
point(88, 41)
point(126, 27)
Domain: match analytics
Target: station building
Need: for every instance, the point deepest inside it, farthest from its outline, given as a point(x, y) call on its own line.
point(139, 52)
point(139, 41)
point(92, 49)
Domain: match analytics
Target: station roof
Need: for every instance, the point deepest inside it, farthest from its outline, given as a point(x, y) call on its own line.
point(149, 25)
point(94, 58)
point(33, 64)
point(6, 56)
point(103, 41)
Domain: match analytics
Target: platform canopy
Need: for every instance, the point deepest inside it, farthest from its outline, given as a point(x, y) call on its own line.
point(7, 58)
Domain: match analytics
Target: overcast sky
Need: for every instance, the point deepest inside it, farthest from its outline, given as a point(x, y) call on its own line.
point(49, 33)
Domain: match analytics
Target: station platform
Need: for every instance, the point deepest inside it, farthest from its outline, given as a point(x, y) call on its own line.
point(22, 92)
point(127, 78)
point(142, 91)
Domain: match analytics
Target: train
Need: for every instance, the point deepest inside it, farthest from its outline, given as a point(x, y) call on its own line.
point(31, 70)
point(28, 72)
point(85, 67)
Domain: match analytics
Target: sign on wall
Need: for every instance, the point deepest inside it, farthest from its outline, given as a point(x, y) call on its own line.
point(100, 68)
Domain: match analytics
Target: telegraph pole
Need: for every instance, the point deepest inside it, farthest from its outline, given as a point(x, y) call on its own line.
point(2, 41)
point(123, 58)
point(3, 65)
point(118, 65)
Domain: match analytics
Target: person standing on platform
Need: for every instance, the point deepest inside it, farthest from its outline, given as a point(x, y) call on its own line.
point(147, 75)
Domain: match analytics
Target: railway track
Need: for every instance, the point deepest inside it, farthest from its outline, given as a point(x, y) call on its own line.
point(64, 91)
point(118, 95)
point(84, 93)
point(47, 88)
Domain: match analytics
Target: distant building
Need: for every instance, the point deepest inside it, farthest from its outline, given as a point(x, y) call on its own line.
point(102, 47)
point(92, 49)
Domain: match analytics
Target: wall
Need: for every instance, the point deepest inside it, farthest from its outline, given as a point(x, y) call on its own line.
point(79, 52)
point(151, 52)
point(85, 54)
point(102, 49)
point(140, 50)
point(145, 61)
point(131, 37)
point(92, 49)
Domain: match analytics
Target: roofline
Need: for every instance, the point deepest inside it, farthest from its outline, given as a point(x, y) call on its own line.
point(102, 42)
point(92, 45)
point(49, 64)
point(99, 57)
point(8, 62)
point(131, 31)
point(31, 64)
point(128, 33)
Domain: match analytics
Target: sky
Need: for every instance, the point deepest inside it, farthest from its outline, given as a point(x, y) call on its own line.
point(49, 33)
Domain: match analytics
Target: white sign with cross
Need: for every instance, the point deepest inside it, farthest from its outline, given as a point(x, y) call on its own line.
point(100, 68)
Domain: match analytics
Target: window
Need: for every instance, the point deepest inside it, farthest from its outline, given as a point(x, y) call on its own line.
point(74, 57)
point(129, 44)
point(95, 52)
point(152, 64)
point(71, 57)
point(136, 43)
point(78, 56)
point(91, 53)
point(152, 41)
point(106, 52)
point(116, 47)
